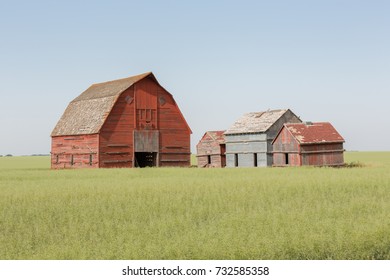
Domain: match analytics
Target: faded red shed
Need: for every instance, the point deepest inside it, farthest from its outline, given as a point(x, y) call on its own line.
point(211, 150)
point(317, 144)
point(131, 122)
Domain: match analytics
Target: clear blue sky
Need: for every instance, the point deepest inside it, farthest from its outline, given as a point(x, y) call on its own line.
point(325, 60)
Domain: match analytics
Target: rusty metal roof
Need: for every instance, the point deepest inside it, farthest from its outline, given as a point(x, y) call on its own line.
point(87, 113)
point(256, 122)
point(313, 133)
point(217, 136)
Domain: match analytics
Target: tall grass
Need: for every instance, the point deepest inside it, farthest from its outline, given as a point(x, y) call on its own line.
point(190, 213)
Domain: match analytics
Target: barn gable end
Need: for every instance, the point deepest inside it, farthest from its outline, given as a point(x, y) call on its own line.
point(136, 122)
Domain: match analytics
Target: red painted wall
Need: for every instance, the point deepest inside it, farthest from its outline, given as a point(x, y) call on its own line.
point(116, 134)
point(145, 106)
point(327, 154)
point(284, 144)
point(323, 154)
point(84, 149)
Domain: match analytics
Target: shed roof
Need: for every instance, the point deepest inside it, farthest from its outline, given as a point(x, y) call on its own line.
point(313, 133)
point(217, 136)
point(256, 122)
point(87, 113)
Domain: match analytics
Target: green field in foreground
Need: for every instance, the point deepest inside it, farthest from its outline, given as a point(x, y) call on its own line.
point(190, 213)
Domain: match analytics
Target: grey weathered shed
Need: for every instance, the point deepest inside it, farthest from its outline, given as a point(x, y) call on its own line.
point(248, 140)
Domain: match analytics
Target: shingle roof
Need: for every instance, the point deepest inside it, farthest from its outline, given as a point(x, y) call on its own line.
point(87, 113)
point(217, 136)
point(320, 132)
point(256, 122)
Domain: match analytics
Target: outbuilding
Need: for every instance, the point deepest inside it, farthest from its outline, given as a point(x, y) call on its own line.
point(211, 150)
point(317, 144)
point(130, 122)
point(248, 140)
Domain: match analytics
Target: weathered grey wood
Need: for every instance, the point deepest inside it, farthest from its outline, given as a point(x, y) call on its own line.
point(253, 134)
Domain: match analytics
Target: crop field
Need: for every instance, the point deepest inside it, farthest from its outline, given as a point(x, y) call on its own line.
point(191, 213)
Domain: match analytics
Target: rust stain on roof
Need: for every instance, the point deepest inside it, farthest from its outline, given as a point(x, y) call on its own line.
point(321, 132)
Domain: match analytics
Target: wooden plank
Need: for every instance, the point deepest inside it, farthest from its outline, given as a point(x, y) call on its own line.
point(146, 141)
point(116, 161)
point(117, 145)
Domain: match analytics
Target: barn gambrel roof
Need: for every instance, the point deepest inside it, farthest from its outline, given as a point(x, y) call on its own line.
point(87, 113)
point(256, 122)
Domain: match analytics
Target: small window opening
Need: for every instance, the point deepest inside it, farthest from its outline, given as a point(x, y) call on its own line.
point(255, 160)
point(71, 160)
point(208, 159)
point(90, 159)
point(286, 159)
point(235, 160)
point(57, 158)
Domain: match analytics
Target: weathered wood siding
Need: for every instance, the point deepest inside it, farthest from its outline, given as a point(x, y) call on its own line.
point(143, 124)
point(243, 150)
point(145, 119)
point(175, 148)
point(323, 154)
point(116, 136)
point(210, 153)
point(255, 150)
point(77, 151)
point(286, 150)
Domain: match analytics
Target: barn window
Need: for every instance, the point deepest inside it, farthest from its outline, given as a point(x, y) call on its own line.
point(208, 159)
point(162, 101)
point(57, 158)
point(129, 99)
point(235, 160)
point(286, 159)
point(71, 160)
point(90, 159)
point(255, 159)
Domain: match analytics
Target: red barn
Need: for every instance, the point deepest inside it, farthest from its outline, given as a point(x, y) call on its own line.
point(211, 150)
point(317, 144)
point(131, 122)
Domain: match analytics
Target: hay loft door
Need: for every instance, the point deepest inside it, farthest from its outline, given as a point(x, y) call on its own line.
point(146, 133)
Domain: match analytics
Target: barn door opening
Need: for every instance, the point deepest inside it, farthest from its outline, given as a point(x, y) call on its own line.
point(223, 156)
point(145, 159)
point(146, 147)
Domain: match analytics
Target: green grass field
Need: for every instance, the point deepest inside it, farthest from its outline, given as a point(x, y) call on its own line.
point(190, 213)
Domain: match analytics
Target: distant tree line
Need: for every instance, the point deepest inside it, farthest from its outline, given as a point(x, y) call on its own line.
point(33, 155)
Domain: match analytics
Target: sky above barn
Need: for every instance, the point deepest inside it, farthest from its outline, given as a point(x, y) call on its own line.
point(324, 60)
